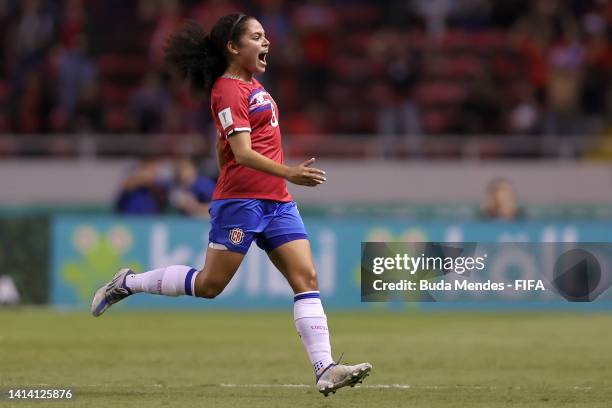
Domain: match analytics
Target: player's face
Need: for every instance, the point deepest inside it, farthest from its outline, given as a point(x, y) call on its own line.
point(253, 48)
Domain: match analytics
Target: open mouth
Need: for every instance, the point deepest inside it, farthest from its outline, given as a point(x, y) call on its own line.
point(262, 57)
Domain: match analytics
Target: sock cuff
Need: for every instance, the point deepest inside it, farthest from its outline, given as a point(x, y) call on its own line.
point(308, 307)
point(190, 282)
point(313, 294)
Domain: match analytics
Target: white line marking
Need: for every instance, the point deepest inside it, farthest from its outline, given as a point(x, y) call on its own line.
point(266, 385)
point(400, 386)
point(367, 386)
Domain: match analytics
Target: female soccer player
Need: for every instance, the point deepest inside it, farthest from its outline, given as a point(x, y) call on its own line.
point(251, 201)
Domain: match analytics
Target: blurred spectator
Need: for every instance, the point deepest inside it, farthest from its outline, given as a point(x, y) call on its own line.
point(275, 20)
point(168, 20)
point(4, 111)
point(434, 12)
point(34, 106)
point(73, 21)
point(193, 115)
point(89, 114)
point(208, 12)
point(148, 104)
point(145, 190)
point(5, 16)
point(481, 111)
point(546, 23)
point(392, 68)
point(550, 19)
point(314, 21)
point(563, 91)
point(276, 23)
point(147, 10)
point(309, 122)
point(500, 201)
point(471, 14)
point(172, 120)
point(33, 35)
point(191, 192)
point(397, 114)
point(598, 66)
point(525, 116)
point(75, 71)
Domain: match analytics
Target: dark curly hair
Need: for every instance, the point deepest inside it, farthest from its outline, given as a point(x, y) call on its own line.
point(201, 58)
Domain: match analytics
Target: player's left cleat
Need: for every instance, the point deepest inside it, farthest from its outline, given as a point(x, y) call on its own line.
point(336, 376)
point(111, 293)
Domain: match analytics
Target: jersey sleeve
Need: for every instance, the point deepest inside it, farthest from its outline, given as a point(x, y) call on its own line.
point(230, 109)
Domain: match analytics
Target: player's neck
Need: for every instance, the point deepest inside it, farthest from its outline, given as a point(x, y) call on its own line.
point(237, 72)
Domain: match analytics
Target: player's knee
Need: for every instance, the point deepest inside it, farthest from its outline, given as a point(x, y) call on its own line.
point(209, 291)
point(309, 278)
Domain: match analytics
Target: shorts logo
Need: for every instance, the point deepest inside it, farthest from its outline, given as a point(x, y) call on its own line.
point(236, 236)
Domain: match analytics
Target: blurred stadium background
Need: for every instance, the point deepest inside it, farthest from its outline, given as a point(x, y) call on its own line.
point(436, 120)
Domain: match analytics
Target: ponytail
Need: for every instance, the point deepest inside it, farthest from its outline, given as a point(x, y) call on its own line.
point(201, 58)
point(191, 55)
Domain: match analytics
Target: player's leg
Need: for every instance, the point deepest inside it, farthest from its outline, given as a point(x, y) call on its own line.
point(174, 280)
point(294, 260)
point(219, 268)
point(286, 243)
point(234, 224)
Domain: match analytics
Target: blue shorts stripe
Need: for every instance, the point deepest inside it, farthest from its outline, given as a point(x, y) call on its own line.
point(271, 244)
point(306, 295)
point(188, 281)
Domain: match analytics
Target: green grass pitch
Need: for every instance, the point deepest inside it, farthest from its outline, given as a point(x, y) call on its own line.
point(255, 359)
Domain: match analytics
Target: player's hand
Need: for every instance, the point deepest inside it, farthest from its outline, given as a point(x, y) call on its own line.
point(304, 175)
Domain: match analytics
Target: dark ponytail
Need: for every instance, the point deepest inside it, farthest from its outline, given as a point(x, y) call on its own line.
point(201, 58)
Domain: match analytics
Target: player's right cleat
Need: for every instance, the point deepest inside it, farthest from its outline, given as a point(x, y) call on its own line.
point(339, 375)
point(111, 293)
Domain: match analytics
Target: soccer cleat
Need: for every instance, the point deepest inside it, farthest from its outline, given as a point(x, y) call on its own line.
point(339, 375)
point(111, 293)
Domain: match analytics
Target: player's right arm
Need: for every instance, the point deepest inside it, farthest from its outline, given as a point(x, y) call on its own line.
point(220, 157)
point(301, 174)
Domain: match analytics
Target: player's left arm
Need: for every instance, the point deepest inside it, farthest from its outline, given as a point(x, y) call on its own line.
point(302, 174)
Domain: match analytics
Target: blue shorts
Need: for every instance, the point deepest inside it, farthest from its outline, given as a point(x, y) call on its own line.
point(235, 222)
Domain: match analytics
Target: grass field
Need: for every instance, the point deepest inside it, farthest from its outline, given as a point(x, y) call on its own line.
point(212, 359)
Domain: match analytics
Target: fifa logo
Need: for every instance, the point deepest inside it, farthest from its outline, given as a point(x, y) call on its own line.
point(236, 236)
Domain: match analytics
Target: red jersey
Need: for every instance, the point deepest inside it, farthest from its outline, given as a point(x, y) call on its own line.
point(239, 106)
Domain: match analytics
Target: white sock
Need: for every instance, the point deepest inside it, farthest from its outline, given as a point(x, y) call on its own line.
point(172, 280)
point(311, 325)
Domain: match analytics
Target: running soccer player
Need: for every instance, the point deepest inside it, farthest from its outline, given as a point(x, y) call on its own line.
point(251, 201)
